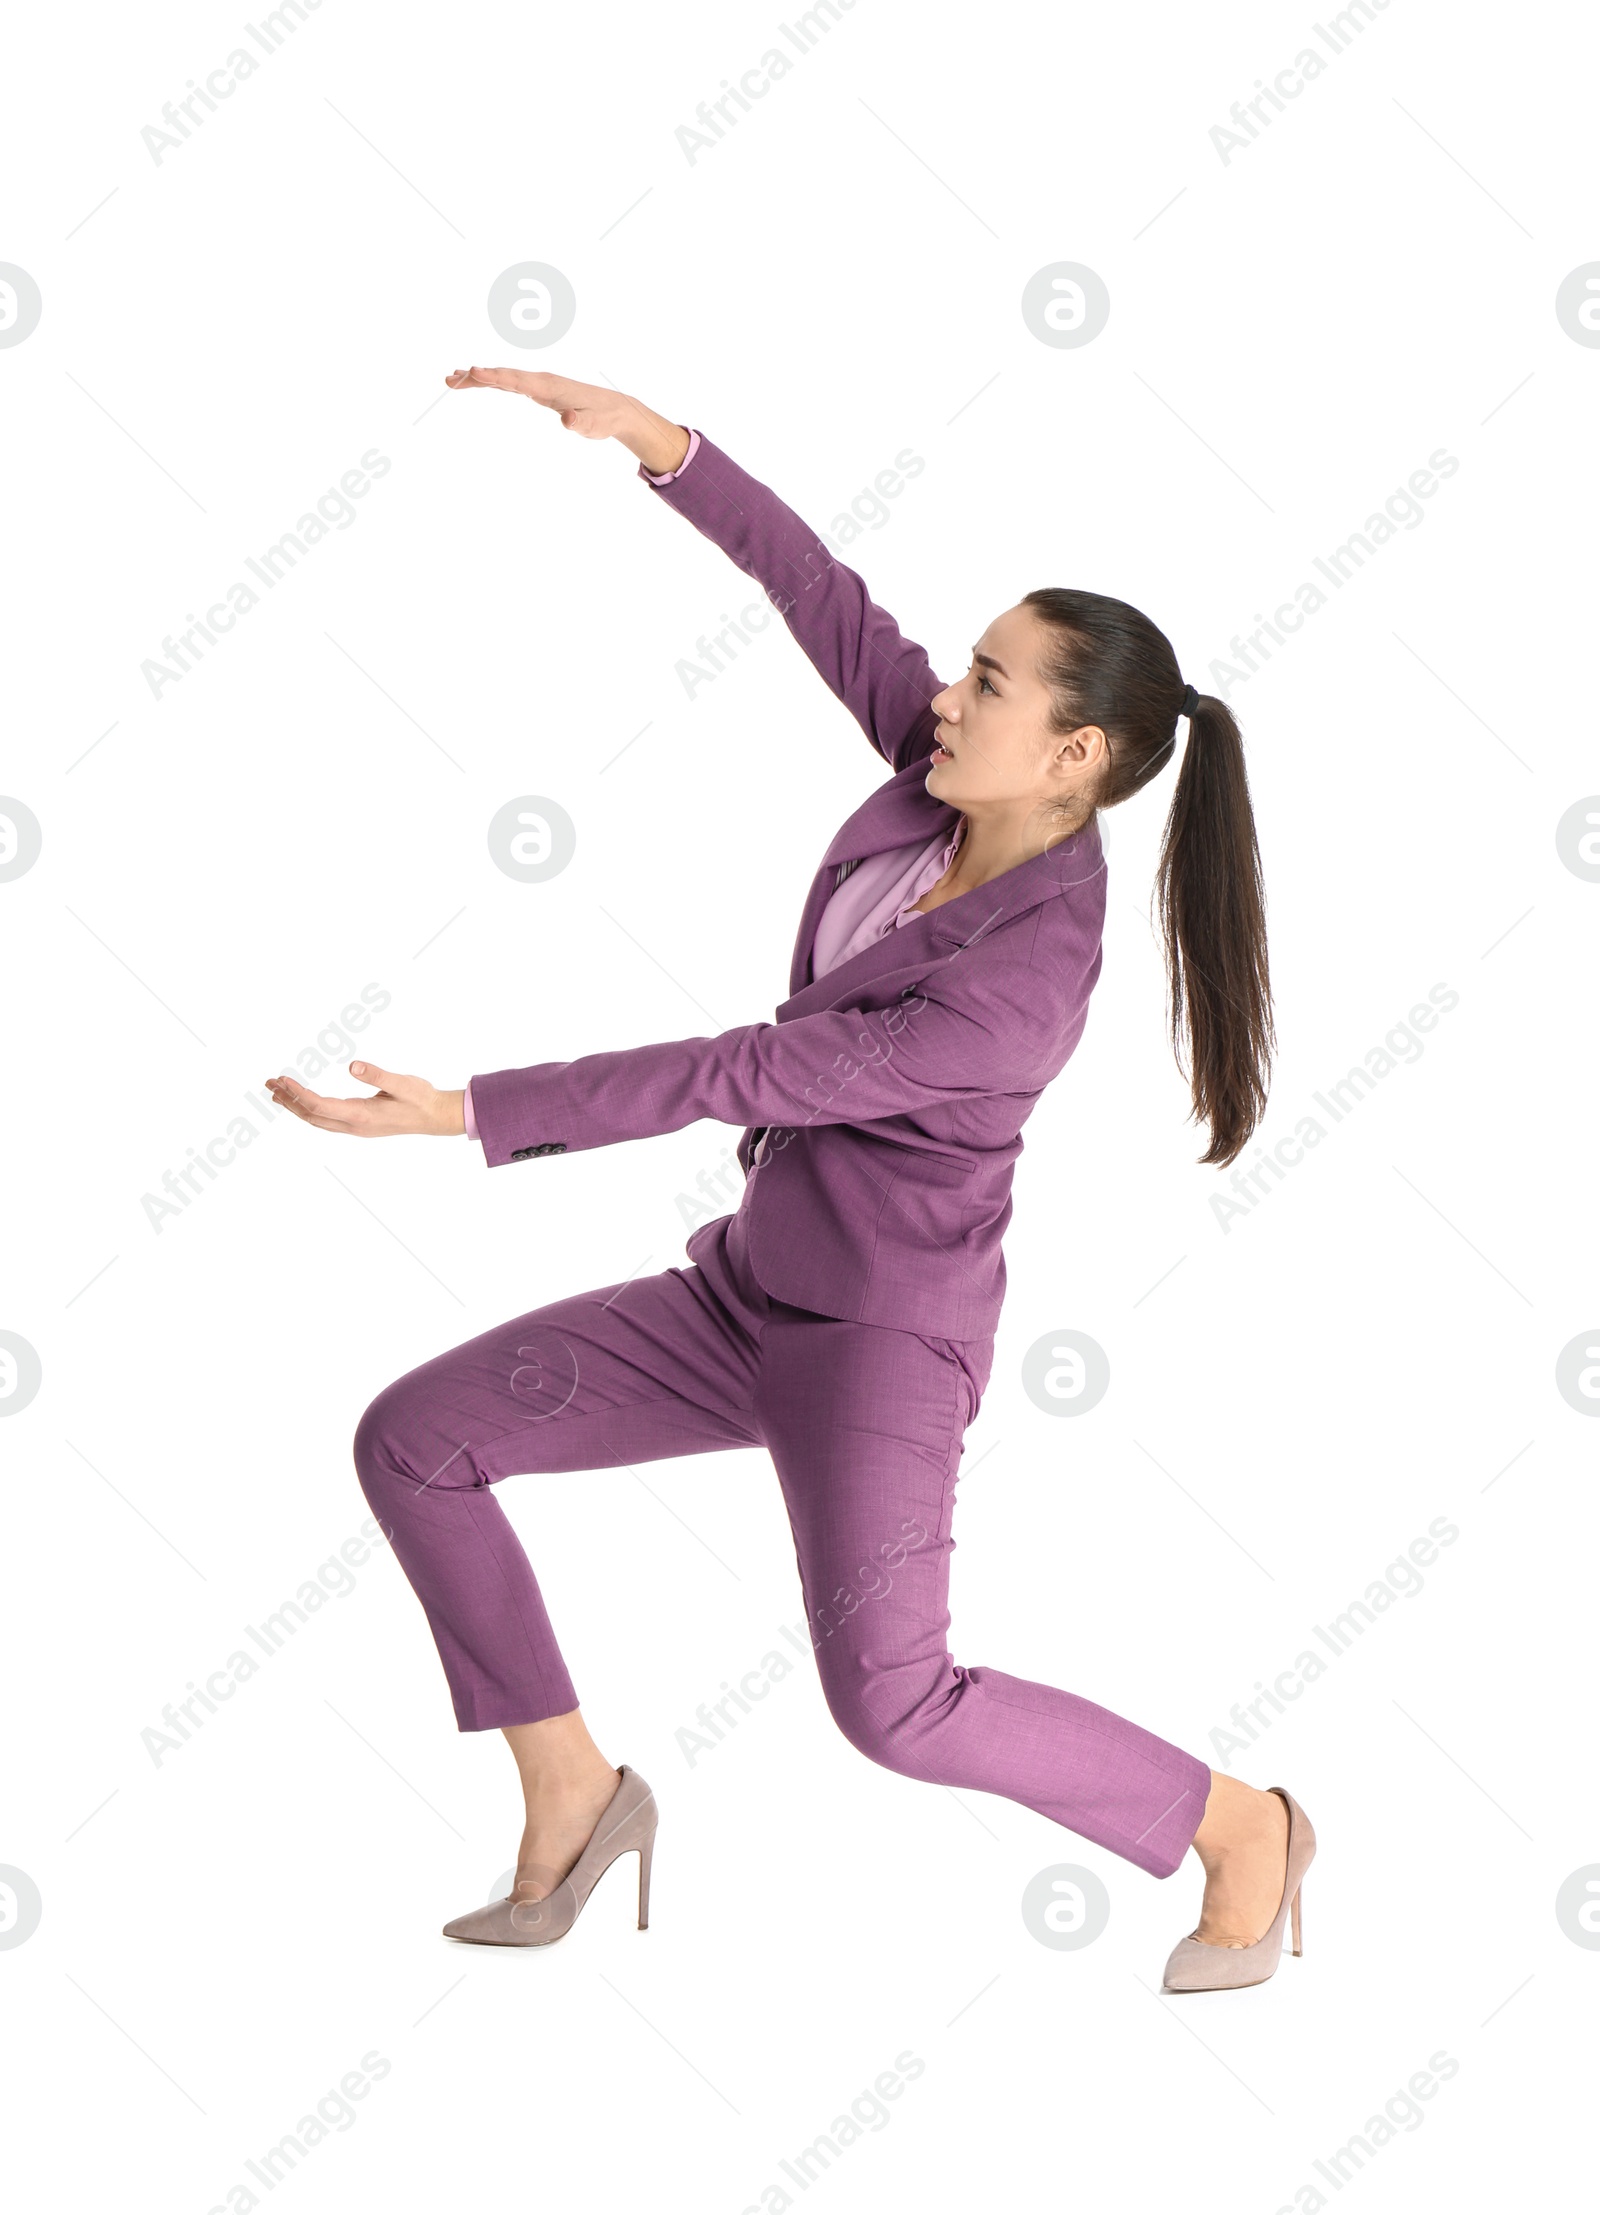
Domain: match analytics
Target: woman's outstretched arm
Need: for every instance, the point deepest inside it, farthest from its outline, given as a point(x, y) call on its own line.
point(882, 677)
point(1008, 1028)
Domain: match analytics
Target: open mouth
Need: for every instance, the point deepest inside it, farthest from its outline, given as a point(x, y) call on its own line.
point(941, 751)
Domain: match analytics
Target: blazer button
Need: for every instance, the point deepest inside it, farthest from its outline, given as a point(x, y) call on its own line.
point(522, 1153)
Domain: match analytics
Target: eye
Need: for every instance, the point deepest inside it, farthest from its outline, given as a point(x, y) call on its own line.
point(983, 681)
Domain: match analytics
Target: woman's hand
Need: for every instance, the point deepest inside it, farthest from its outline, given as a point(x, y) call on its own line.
point(403, 1106)
point(593, 411)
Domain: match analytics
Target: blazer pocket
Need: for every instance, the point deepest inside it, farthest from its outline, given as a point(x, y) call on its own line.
point(950, 1170)
point(929, 1196)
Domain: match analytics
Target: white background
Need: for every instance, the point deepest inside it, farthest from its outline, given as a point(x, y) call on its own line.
point(226, 1933)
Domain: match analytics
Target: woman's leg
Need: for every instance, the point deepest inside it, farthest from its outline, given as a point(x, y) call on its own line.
point(865, 1427)
point(566, 1785)
point(657, 1367)
point(1243, 1845)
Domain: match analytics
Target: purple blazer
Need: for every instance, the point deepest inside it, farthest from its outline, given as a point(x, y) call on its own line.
point(892, 1090)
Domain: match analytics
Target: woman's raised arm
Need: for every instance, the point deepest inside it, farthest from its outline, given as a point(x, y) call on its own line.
point(882, 677)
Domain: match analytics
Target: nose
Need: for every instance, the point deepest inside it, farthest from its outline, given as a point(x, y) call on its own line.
point(946, 706)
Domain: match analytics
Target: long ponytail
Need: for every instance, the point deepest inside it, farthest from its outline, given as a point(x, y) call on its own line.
point(1212, 915)
point(1107, 664)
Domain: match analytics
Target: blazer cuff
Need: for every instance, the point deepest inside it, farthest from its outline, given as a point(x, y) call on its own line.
point(508, 1103)
point(673, 474)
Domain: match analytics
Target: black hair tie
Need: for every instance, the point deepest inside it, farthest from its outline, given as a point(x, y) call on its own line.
point(1190, 700)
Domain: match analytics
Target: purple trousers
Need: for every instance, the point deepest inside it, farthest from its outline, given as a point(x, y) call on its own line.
point(864, 1425)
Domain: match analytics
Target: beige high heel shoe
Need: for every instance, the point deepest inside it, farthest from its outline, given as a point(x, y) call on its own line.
point(1194, 1966)
point(627, 1824)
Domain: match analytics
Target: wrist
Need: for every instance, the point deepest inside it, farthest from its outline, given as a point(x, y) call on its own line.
point(450, 1116)
point(652, 440)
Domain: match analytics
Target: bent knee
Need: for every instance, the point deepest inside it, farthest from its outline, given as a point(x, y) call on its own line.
point(394, 1438)
point(884, 1716)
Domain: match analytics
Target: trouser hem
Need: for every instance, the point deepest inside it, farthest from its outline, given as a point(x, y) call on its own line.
point(1178, 1826)
point(504, 1710)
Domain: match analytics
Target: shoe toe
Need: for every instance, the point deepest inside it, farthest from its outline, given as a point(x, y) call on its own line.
point(1190, 1967)
point(511, 1922)
point(474, 1924)
point(1194, 1967)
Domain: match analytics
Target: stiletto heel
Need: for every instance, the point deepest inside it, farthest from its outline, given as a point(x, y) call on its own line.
point(1197, 1966)
point(648, 1847)
point(628, 1823)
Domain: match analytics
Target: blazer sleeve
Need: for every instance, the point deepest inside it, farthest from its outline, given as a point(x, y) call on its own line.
point(882, 677)
point(841, 1065)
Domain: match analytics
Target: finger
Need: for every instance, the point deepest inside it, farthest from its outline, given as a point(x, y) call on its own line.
point(350, 1116)
point(298, 1109)
point(501, 380)
point(289, 1091)
point(551, 391)
point(306, 1104)
point(460, 379)
point(301, 1101)
point(368, 1072)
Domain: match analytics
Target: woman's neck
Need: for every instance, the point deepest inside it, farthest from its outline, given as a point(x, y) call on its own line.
point(991, 845)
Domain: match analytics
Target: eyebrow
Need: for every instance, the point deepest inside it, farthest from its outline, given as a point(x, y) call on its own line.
point(987, 661)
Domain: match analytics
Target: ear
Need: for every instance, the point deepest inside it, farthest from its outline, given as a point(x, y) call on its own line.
point(1085, 748)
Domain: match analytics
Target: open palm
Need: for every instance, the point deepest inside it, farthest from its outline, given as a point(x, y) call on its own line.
point(403, 1106)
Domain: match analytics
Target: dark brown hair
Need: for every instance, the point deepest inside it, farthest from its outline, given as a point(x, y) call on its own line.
point(1106, 663)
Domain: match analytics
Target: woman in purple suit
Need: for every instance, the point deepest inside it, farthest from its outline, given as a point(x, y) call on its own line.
point(844, 1316)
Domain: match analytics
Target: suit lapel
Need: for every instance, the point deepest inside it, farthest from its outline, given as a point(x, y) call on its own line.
point(945, 931)
point(899, 812)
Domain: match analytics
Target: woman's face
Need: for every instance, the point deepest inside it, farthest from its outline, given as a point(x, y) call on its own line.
point(997, 754)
